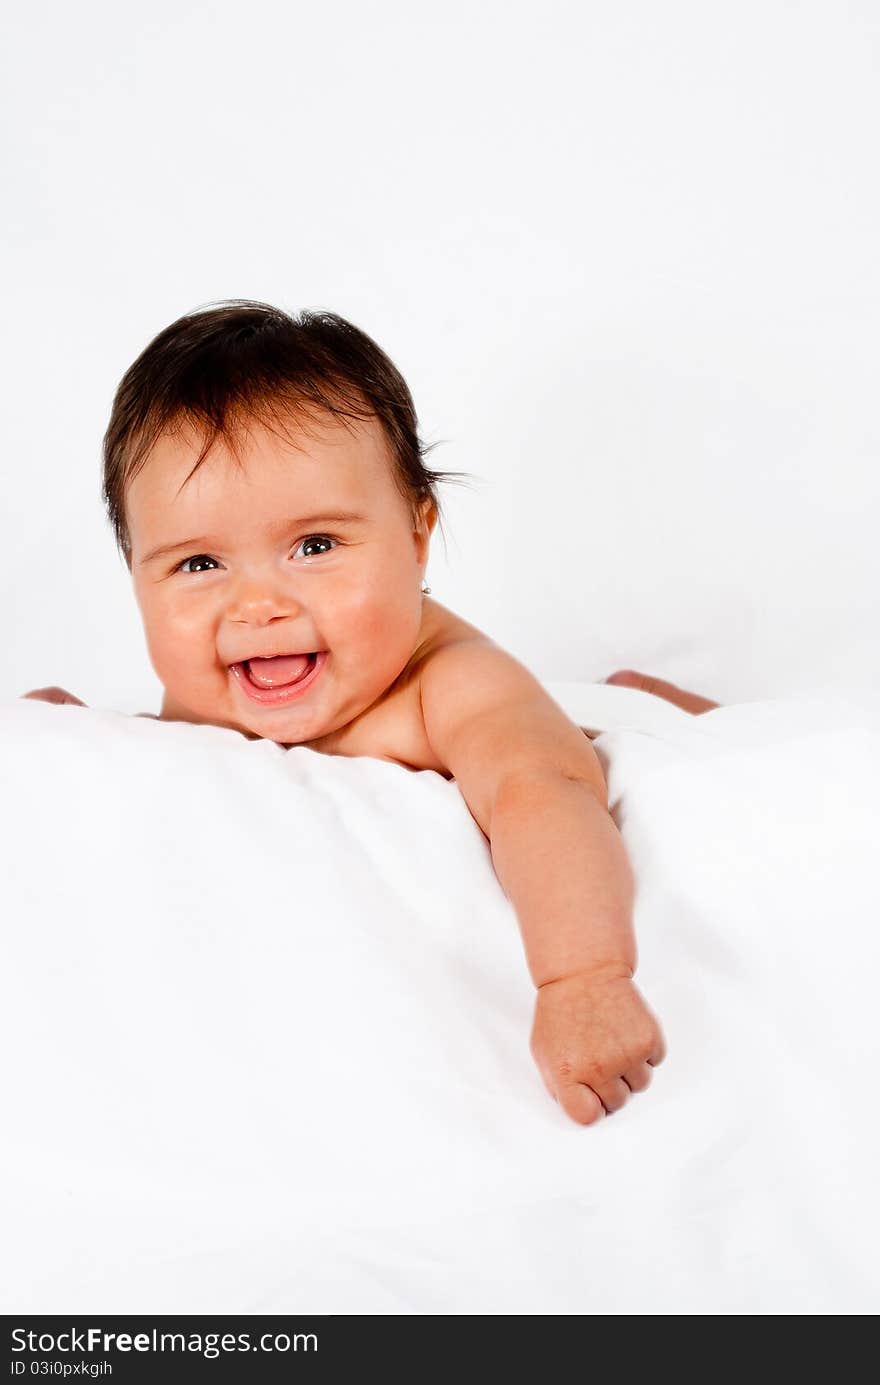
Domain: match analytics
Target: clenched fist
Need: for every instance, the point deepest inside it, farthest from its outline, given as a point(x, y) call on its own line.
point(595, 1042)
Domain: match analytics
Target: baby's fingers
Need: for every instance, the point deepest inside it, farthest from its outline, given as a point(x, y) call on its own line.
point(638, 1077)
point(580, 1103)
point(60, 696)
point(613, 1094)
point(658, 1049)
point(587, 1104)
point(576, 1099)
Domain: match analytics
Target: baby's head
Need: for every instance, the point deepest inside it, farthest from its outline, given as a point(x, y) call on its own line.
point(266, 485)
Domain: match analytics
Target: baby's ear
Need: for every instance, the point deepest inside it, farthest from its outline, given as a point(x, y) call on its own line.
point(426, 513)
point(424, 519)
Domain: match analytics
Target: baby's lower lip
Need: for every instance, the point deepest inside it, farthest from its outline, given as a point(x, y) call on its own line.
point(274, 697)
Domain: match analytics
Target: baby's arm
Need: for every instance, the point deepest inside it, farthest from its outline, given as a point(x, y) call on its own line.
point(534, 784)
point(670, 692)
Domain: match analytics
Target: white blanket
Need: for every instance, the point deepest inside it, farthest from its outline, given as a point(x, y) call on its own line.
point(265, 1022)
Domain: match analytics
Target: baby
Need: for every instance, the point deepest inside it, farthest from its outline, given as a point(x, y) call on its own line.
point(280, 585)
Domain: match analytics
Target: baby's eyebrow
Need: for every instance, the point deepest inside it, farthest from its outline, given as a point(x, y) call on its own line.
point(281, 527)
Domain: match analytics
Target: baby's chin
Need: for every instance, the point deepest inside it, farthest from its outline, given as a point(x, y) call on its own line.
point(176, 712)
point(265, 724)
point(175, 708)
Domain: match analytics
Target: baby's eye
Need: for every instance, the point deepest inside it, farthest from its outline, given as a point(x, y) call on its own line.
point(311, 538)
point(197, 558)
point(319, 538)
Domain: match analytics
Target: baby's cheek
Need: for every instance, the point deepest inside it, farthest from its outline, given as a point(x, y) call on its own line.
point(383, 633)
point(178, 651)
point(372, 625)
point(353, 628)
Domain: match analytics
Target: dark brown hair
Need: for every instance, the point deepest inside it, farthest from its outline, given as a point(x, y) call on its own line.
point(227, 363)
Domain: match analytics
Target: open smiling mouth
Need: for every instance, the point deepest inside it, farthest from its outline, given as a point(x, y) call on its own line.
point(283, 679)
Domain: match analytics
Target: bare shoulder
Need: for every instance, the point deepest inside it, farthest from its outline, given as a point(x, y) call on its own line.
point(443, 629)
point(455, 673)
point(465, 674)
point(489, 720)
point(393, 728)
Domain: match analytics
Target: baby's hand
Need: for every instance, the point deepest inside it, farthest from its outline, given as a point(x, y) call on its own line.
point(59, 695)
point(658, 687)
point(594, 1041)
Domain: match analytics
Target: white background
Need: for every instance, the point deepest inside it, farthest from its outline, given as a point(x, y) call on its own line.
point(625, 256)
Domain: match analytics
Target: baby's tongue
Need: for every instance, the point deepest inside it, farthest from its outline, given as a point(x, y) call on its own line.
point(274, 673)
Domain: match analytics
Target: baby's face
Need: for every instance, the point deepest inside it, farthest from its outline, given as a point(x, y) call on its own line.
point(251, 575)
